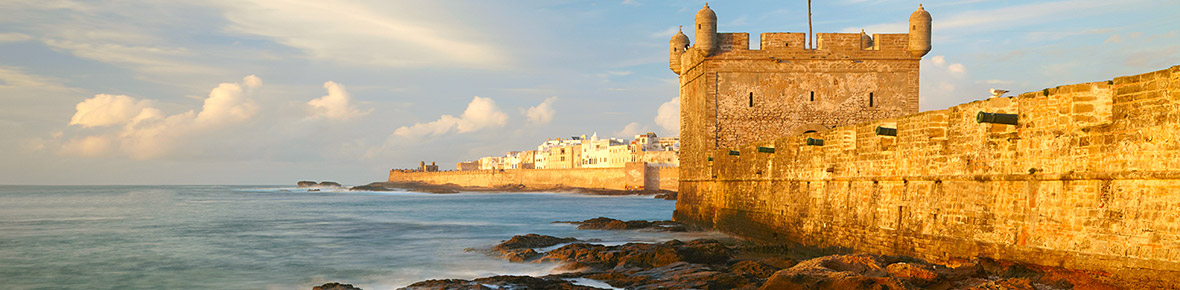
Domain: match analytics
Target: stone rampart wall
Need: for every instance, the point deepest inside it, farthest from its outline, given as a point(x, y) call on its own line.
point(618, 178)
point(1088, 179)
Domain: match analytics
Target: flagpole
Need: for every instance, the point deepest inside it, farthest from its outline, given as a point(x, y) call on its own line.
point(810, 34)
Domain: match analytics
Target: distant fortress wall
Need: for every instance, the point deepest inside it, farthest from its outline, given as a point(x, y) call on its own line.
point(633, 175)
point(1088, 178)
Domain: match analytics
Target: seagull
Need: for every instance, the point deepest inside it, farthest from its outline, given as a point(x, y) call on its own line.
point(997, 93)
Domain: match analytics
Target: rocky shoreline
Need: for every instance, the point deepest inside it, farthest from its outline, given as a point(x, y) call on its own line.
point(717, 264)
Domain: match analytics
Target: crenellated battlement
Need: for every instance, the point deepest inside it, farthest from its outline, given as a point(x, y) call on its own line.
point(790, 45)
point(787, 45)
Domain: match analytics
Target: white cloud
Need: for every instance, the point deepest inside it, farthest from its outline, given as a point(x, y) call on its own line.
point(956, 68)
point(366, 34)
point(105, 110)
point(630, 130)
point(668, 116)
point(334, 106)
point(938, 60)
point(147, 132)
point(541, 113)
point(480, 113)
point(228, 104)
point(14, 37)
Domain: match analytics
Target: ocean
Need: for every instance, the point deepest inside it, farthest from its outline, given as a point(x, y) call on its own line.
point(273, 237)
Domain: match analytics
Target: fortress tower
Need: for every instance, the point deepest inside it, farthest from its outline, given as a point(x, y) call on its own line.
point(732, 95)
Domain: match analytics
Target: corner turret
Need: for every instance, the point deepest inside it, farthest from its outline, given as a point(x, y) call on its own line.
point(866, 41)
point(920, 32)
point(706, 32)
point(676, 47)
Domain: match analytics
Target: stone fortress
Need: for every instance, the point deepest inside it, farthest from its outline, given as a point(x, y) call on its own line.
point(824, 147)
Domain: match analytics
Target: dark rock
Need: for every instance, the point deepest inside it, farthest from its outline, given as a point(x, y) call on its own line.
point(499, 282)
point(639, 255)
point(305, 183)
point(605, 223)
point(330, 184)
point(369, 187)
point(532, 241)
point(521, 255)
point(335, 286)
point(668, 195)
point(754, 269)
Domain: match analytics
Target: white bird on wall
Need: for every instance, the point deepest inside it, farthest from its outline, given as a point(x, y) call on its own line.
point(997, 93)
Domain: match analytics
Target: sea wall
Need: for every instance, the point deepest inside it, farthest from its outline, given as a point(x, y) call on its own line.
point(1088, 178)
point(631, 176)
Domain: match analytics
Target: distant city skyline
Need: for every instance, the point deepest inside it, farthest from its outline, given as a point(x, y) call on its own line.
point(272, 92)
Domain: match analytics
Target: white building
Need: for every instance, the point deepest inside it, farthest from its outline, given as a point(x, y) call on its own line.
point(596, 153)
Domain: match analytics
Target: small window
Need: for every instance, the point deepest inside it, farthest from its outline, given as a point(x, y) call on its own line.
point(751, 99)
point(870, 99)
point(812, 96)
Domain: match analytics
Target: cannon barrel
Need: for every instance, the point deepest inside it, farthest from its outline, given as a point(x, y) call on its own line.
point(886, 131)
point(996, 118)
point(815, 142)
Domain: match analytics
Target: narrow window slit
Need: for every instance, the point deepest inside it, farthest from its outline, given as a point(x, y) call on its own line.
point(751, 99)
point(870, 99)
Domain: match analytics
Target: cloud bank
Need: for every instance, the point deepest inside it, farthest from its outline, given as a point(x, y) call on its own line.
point(480, 113)
point(147, 133)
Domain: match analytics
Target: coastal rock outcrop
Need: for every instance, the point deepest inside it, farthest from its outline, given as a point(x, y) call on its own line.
point(640, 255)
point(500, 282)
point(605, 223)
point(369, 187)
point(335, 286)
point(330, 184)
point(305, 183)
point(521, 248)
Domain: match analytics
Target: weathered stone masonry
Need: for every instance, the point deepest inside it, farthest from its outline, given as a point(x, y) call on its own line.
point(1089, 178)
point(632, 175)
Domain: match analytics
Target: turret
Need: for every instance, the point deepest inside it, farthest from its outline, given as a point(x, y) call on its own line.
point(706, 31)
point(676, 47)
point(920, 32)
point(866, 41)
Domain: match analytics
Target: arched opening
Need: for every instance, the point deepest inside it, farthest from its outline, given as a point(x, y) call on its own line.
point(808, 131)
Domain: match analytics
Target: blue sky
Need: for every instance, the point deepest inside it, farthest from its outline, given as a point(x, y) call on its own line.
point(275, 91)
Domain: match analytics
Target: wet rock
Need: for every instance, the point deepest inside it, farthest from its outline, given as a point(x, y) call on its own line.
point(305, 183)
point(532, 241)
point(499, 282)
point(335, 286)
point(605, 223)
point(521, 255)
point(369, 187)
point(668, 195)
point(640, 255)
point(330, 184)
point(755, 269)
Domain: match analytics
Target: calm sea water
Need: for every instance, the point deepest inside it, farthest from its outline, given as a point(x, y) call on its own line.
point(251, 237)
